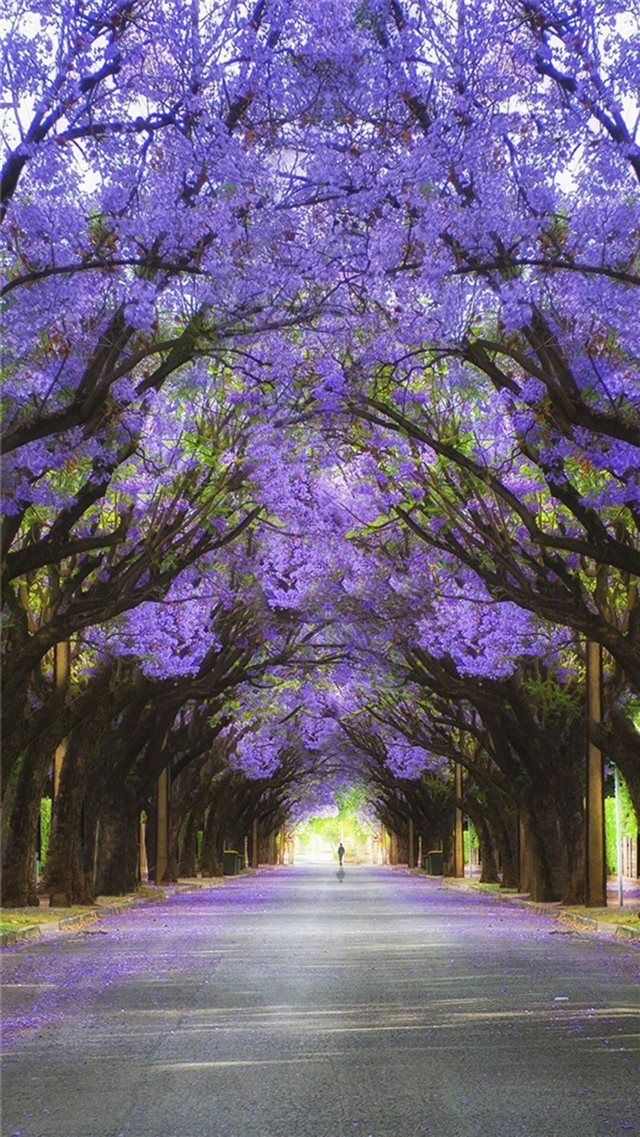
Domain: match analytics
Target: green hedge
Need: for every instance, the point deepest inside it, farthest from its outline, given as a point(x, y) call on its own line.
point(45, 829)
point(470, 832)
point(629, 824)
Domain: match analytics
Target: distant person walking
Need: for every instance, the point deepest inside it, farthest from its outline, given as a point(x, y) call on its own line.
point(340, 853)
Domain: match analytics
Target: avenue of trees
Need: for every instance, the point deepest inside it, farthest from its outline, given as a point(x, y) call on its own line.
point(321, 426)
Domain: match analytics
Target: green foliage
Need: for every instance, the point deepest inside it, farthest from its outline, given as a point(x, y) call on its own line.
point(629, 824)
point(553, 699)
point(322, 835)
point(45, 829)
point(15, 920)
point(469, 835)
point(352, 803)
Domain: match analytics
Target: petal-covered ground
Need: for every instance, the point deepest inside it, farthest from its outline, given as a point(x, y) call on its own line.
point(296, 1004)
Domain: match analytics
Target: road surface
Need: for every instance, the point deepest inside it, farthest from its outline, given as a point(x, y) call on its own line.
point(296, 1004)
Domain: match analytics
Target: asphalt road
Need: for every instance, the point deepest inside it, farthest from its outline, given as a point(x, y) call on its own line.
point(294, 1004)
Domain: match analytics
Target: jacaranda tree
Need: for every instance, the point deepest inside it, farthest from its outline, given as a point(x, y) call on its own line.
point(320, 420)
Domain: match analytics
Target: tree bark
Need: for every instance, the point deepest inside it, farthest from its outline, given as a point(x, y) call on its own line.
point(211, 857)
point(68, 878)
point(19, 886)
point(117, 850)
point(188, 842)
point(488, 856)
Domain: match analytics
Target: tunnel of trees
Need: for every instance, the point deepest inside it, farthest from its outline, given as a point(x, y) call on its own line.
point(321, 419)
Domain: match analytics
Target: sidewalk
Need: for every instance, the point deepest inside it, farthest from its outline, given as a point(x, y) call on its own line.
point(623, 923)
point(47, 921)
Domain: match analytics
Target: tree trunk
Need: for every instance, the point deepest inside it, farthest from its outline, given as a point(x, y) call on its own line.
point(211, 857)
point(19, 886)
point(119, 831)
point(8, 789)
point(539, 870)
point(68, 877)
point(571, 836)
point(506, 844)
point(188, 846)
point(488, 854)
point(150, 835)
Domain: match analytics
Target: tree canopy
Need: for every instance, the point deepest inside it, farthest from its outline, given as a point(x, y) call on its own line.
point(321, 414)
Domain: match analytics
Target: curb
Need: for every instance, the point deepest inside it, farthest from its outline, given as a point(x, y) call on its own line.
point(50, 928)
point(553, 909)
point(165, 892)
point(42, 931)
point(619, 931)
point(17, 935)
